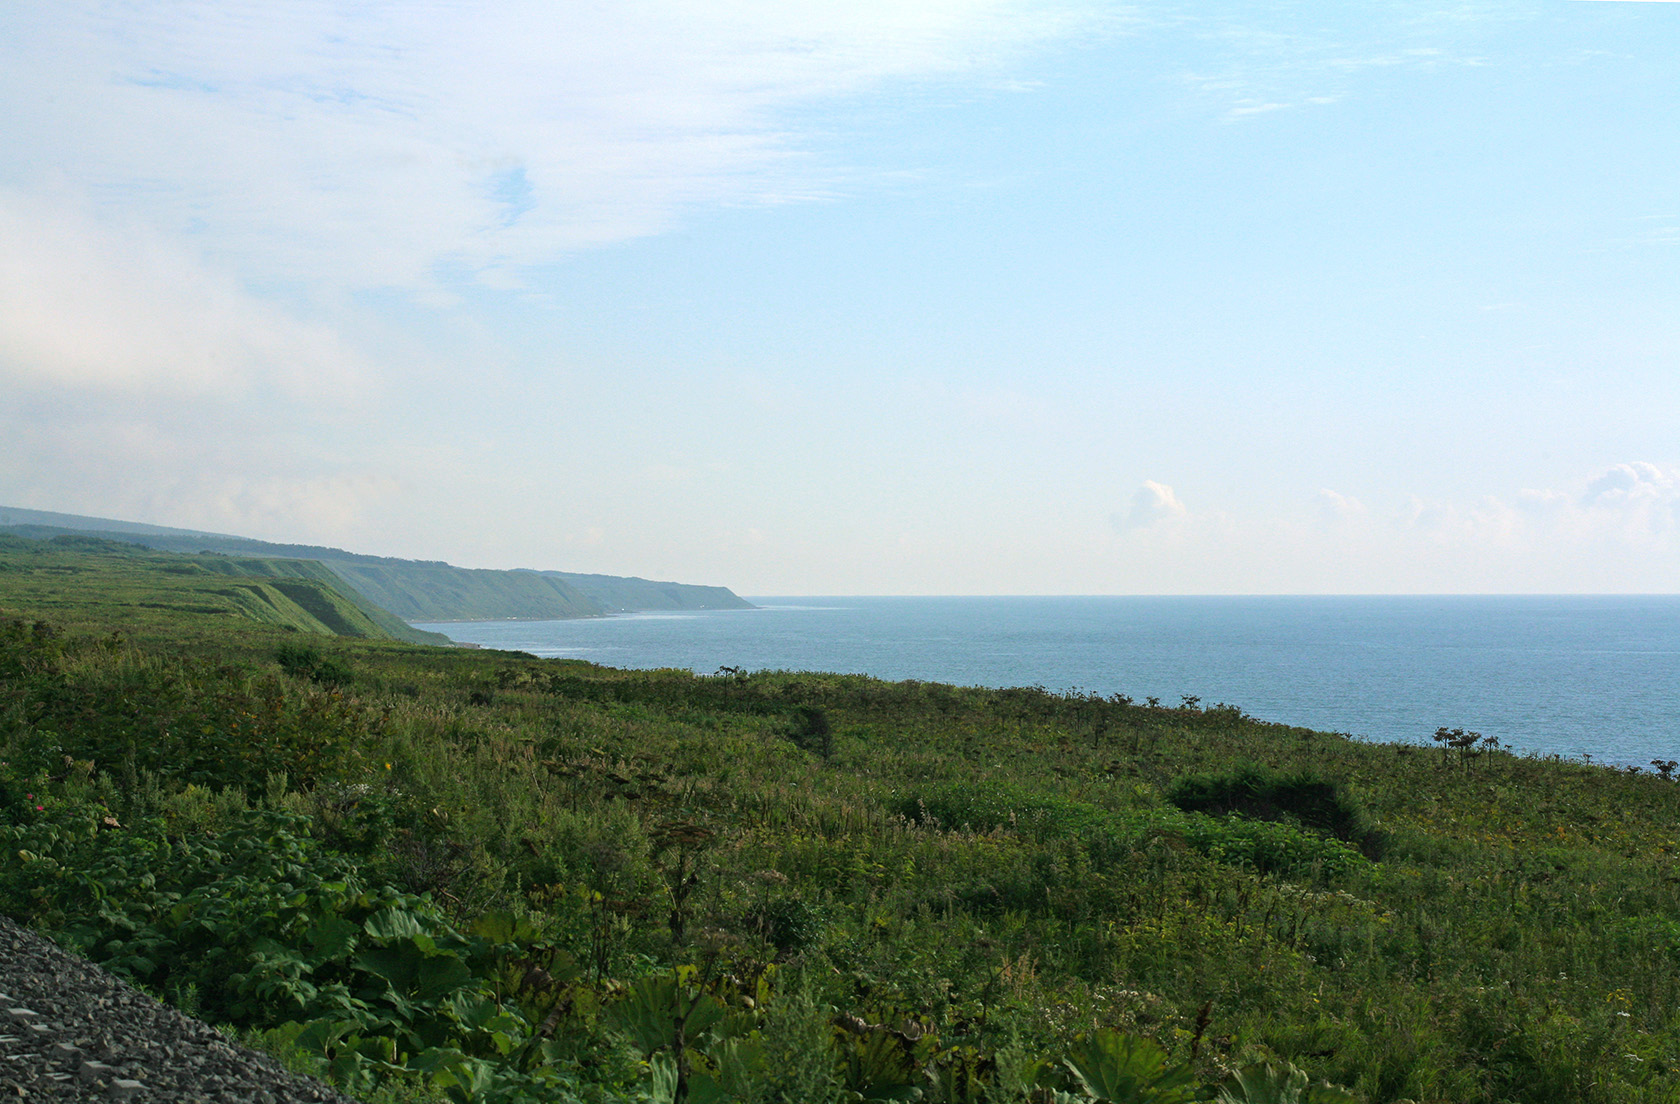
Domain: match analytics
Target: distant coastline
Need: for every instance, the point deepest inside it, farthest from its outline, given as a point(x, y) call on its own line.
point(411, 590)
point(1564, 675)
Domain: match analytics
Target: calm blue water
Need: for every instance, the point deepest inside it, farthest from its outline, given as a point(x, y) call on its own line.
point(1565, 675)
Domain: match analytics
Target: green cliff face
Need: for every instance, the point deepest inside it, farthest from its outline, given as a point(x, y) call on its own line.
point(128, 582)
point(407, 590)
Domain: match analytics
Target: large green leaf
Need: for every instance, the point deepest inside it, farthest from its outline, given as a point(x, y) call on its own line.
point(1125, 1069)
point(649, 1012)
point(880, 1064)
point(331, 938)
point(1265, 1083)
point(501, 927)
point(392, 925)
point(407, 970)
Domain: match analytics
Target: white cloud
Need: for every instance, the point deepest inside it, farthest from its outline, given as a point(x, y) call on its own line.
point(1153, 502)
point(106, 306)
point(273, 504)
point(193, 192)
point(1335, 507)
point(381, 144)
point(175, 463)
point(1542, 503)
point(1626, 485)
point(1617, 531)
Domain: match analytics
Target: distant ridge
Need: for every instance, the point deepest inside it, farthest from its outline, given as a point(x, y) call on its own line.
point(301, 595)
point(413, 590)
point(13, 517)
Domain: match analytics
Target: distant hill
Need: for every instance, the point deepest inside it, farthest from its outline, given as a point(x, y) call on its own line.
point(624, 594)
point(131, 580)
point(412, 590)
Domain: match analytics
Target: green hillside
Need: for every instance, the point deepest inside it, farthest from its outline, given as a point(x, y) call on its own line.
point(412, 590)
point(419, 591)
point(68, 576)
point(624, 594)
point(320, 576)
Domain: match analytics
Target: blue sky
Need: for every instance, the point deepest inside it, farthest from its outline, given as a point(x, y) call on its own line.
point(966, 296)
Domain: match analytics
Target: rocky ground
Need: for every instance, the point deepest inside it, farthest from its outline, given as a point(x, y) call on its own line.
point(70, 1031)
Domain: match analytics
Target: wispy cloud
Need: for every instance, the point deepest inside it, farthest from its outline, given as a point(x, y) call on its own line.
point(193, 195)
point(380, 144)
point(1256, 62)
point(107, 306)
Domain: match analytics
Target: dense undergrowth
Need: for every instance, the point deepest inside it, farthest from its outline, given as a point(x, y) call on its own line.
point(491, 877)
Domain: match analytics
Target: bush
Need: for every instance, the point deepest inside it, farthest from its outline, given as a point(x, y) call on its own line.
point(1316, 803)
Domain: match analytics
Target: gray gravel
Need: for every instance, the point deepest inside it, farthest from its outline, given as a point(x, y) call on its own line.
point(71, 1031)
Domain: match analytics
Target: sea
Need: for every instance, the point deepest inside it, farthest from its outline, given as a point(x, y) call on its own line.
point(1581, 677)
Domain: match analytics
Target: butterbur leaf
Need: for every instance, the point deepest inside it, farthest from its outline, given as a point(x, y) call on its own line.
point(740, 1064)
point(1124, 1069)
point(663, 1075)
point(406, 970)
point(472, 1010)
point(465, 1079)
point(332, 938)
point(881, 1065)
point(319, 1036)
point(563, 967)
point(389, 925)
point(442, 976)
point(497, 926)
point(501, 927)
point(433, 1059)
point(399, 967)
point(649, 1012)
point(704, 1089)
point(1266, 1083)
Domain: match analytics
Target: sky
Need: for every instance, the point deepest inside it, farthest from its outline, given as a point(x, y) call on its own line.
point(908, 297)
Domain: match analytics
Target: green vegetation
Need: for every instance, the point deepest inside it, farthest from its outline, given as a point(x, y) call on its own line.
point(624, 593)
point(128, 584)
point(472, 875)
point(394, 590)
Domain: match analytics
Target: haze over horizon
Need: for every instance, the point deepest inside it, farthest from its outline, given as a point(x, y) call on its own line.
point(948, 297)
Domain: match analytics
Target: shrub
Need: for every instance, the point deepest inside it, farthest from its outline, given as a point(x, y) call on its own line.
point(1303, 797)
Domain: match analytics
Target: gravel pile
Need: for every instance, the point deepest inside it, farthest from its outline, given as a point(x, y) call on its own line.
point(70, 1031)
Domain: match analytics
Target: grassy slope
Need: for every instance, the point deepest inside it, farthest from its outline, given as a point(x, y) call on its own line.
point(366, 619)
point(440, 592)
point(312, 573)
point(998, 867)
point(78, 578)
point(412, 589)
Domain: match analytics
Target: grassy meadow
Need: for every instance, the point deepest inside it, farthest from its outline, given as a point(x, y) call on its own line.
point(434, 873)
